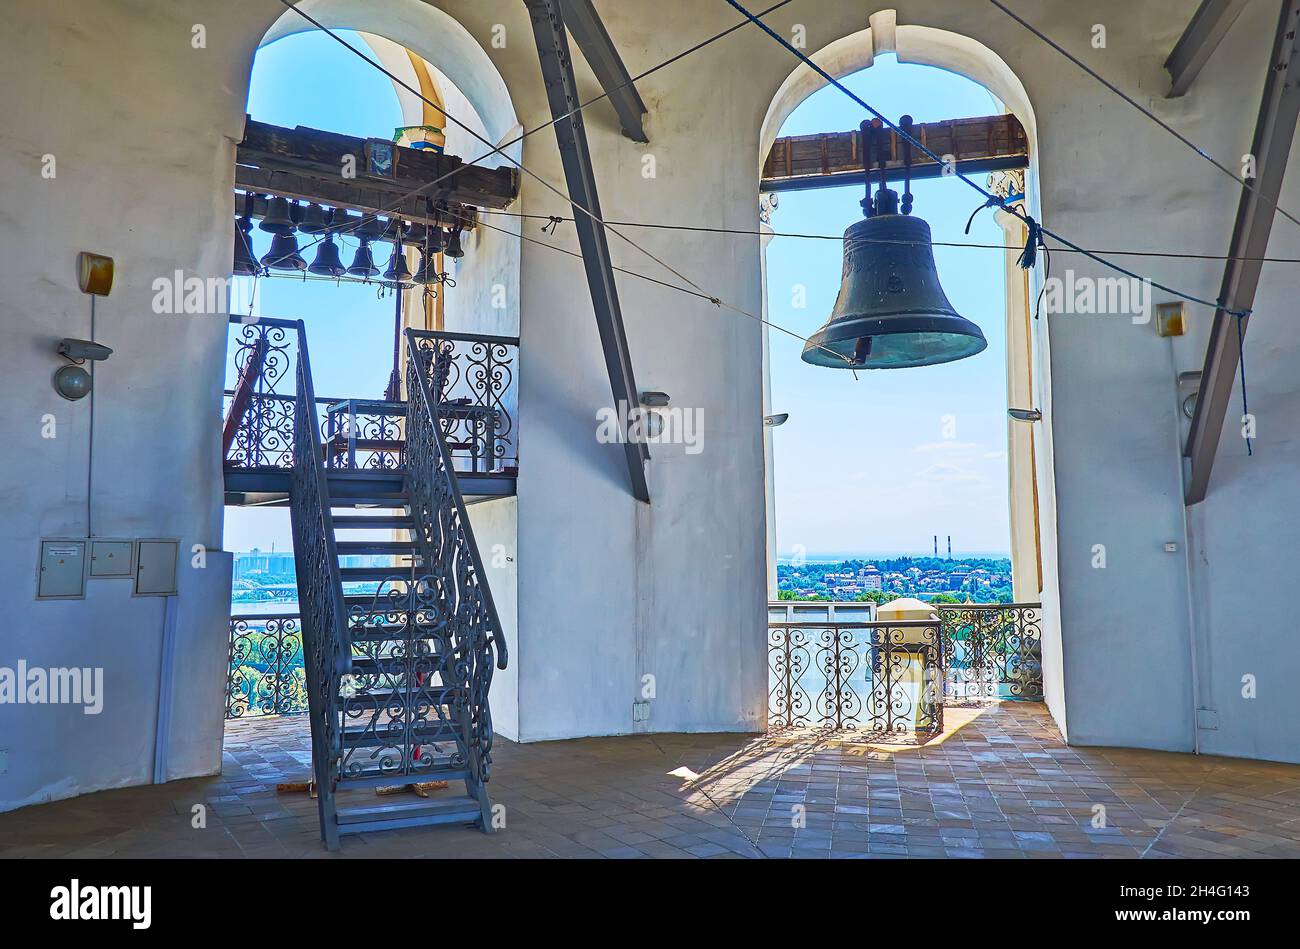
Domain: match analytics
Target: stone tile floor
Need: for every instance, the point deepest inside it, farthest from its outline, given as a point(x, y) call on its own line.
point(999, 783)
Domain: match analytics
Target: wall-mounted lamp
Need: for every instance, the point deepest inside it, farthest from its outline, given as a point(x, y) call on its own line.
point(1025, 415)
point(73, 382)
point(94, 273)
point(775, 421)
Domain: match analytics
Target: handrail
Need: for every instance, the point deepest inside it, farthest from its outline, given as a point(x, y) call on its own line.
point(326, 517)
point(464, 337)
point(497, 640)
point(267, 321)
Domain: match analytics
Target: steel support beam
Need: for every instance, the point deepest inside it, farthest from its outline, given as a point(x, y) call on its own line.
point(571, 137)
point(1274, 130)
point(1209, 24)
point(598, 49)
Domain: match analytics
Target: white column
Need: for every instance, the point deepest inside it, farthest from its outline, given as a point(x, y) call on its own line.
point(768, 205)
point(1026, 556)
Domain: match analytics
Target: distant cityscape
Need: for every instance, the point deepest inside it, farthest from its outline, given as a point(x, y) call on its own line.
point(266, 582)
point(263, 581)
point(881, 579)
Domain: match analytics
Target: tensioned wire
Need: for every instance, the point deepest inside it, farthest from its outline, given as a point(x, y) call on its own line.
point(499, 149)
point(1145, 111)
point(698, 290)
point(992, 199)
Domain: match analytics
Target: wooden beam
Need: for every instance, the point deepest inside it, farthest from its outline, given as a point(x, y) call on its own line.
point(1208, 26)
point(571, 137)
point(289, 185)
point(331, 157)
point(1274, 129)
point(598, 49)
point(997, 141)
point(347, 223)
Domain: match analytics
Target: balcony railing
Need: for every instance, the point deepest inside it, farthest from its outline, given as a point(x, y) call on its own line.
point(829, 669)
point(264, 675)
point(472, 375)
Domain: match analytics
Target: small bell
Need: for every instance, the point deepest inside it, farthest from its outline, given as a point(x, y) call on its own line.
point(278, 220)
point(327, 262)
point(427, 273)
point(398, 274)
point(245, 264)
point(314, 220)
point(454, 250)
point(363, 262)
point(437, 240)
point(283, 254)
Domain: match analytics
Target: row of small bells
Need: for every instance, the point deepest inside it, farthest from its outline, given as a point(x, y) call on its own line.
point(315, 220)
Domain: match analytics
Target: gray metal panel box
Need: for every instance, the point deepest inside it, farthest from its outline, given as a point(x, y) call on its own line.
point(62, 570)
point(155, 570)
point(112, 558)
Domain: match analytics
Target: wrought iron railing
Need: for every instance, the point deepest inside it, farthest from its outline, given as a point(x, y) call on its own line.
point(993, 650)
point(472, 381)
point(472, 377)
point(894, 677)
point(258, 414)
point(264, 675)
point(880, 678)
point(327, 652)
point(460, 603)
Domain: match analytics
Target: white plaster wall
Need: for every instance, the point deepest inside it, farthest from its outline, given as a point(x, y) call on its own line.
point(496, 525)
point(610, 590)
point(137, 122)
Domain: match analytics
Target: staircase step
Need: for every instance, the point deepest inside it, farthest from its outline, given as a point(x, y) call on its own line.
point(376, 499)
point(417, 812)
point(378, 777)
point(401, 522)
point(389, 602)
point(396, 548)
point(438, 695)
point(364, 666)
point(379, 737)
point(371, 574)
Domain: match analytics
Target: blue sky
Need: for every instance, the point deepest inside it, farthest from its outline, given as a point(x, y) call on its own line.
point(863, 466)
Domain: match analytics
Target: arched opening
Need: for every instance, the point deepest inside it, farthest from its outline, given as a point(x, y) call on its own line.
point(1016, 370)
point(303, 77)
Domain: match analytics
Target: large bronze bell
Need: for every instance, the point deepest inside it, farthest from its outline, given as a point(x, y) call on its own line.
point(891, 312)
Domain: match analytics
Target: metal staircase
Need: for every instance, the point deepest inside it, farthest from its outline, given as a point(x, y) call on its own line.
point(399, 651)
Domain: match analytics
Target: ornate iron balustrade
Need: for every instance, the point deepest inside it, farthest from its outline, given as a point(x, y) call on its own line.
point(472, 375)
point(265, 675)
point(259, 415)
point(458, 603)
point(327, 653)
point(892, 677)
point(993, 650)
point(471, 379)
point(879, 678)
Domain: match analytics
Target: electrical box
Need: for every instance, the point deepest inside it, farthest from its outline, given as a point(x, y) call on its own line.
point(112, 558)
point(155, 571)
point(62, 570)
